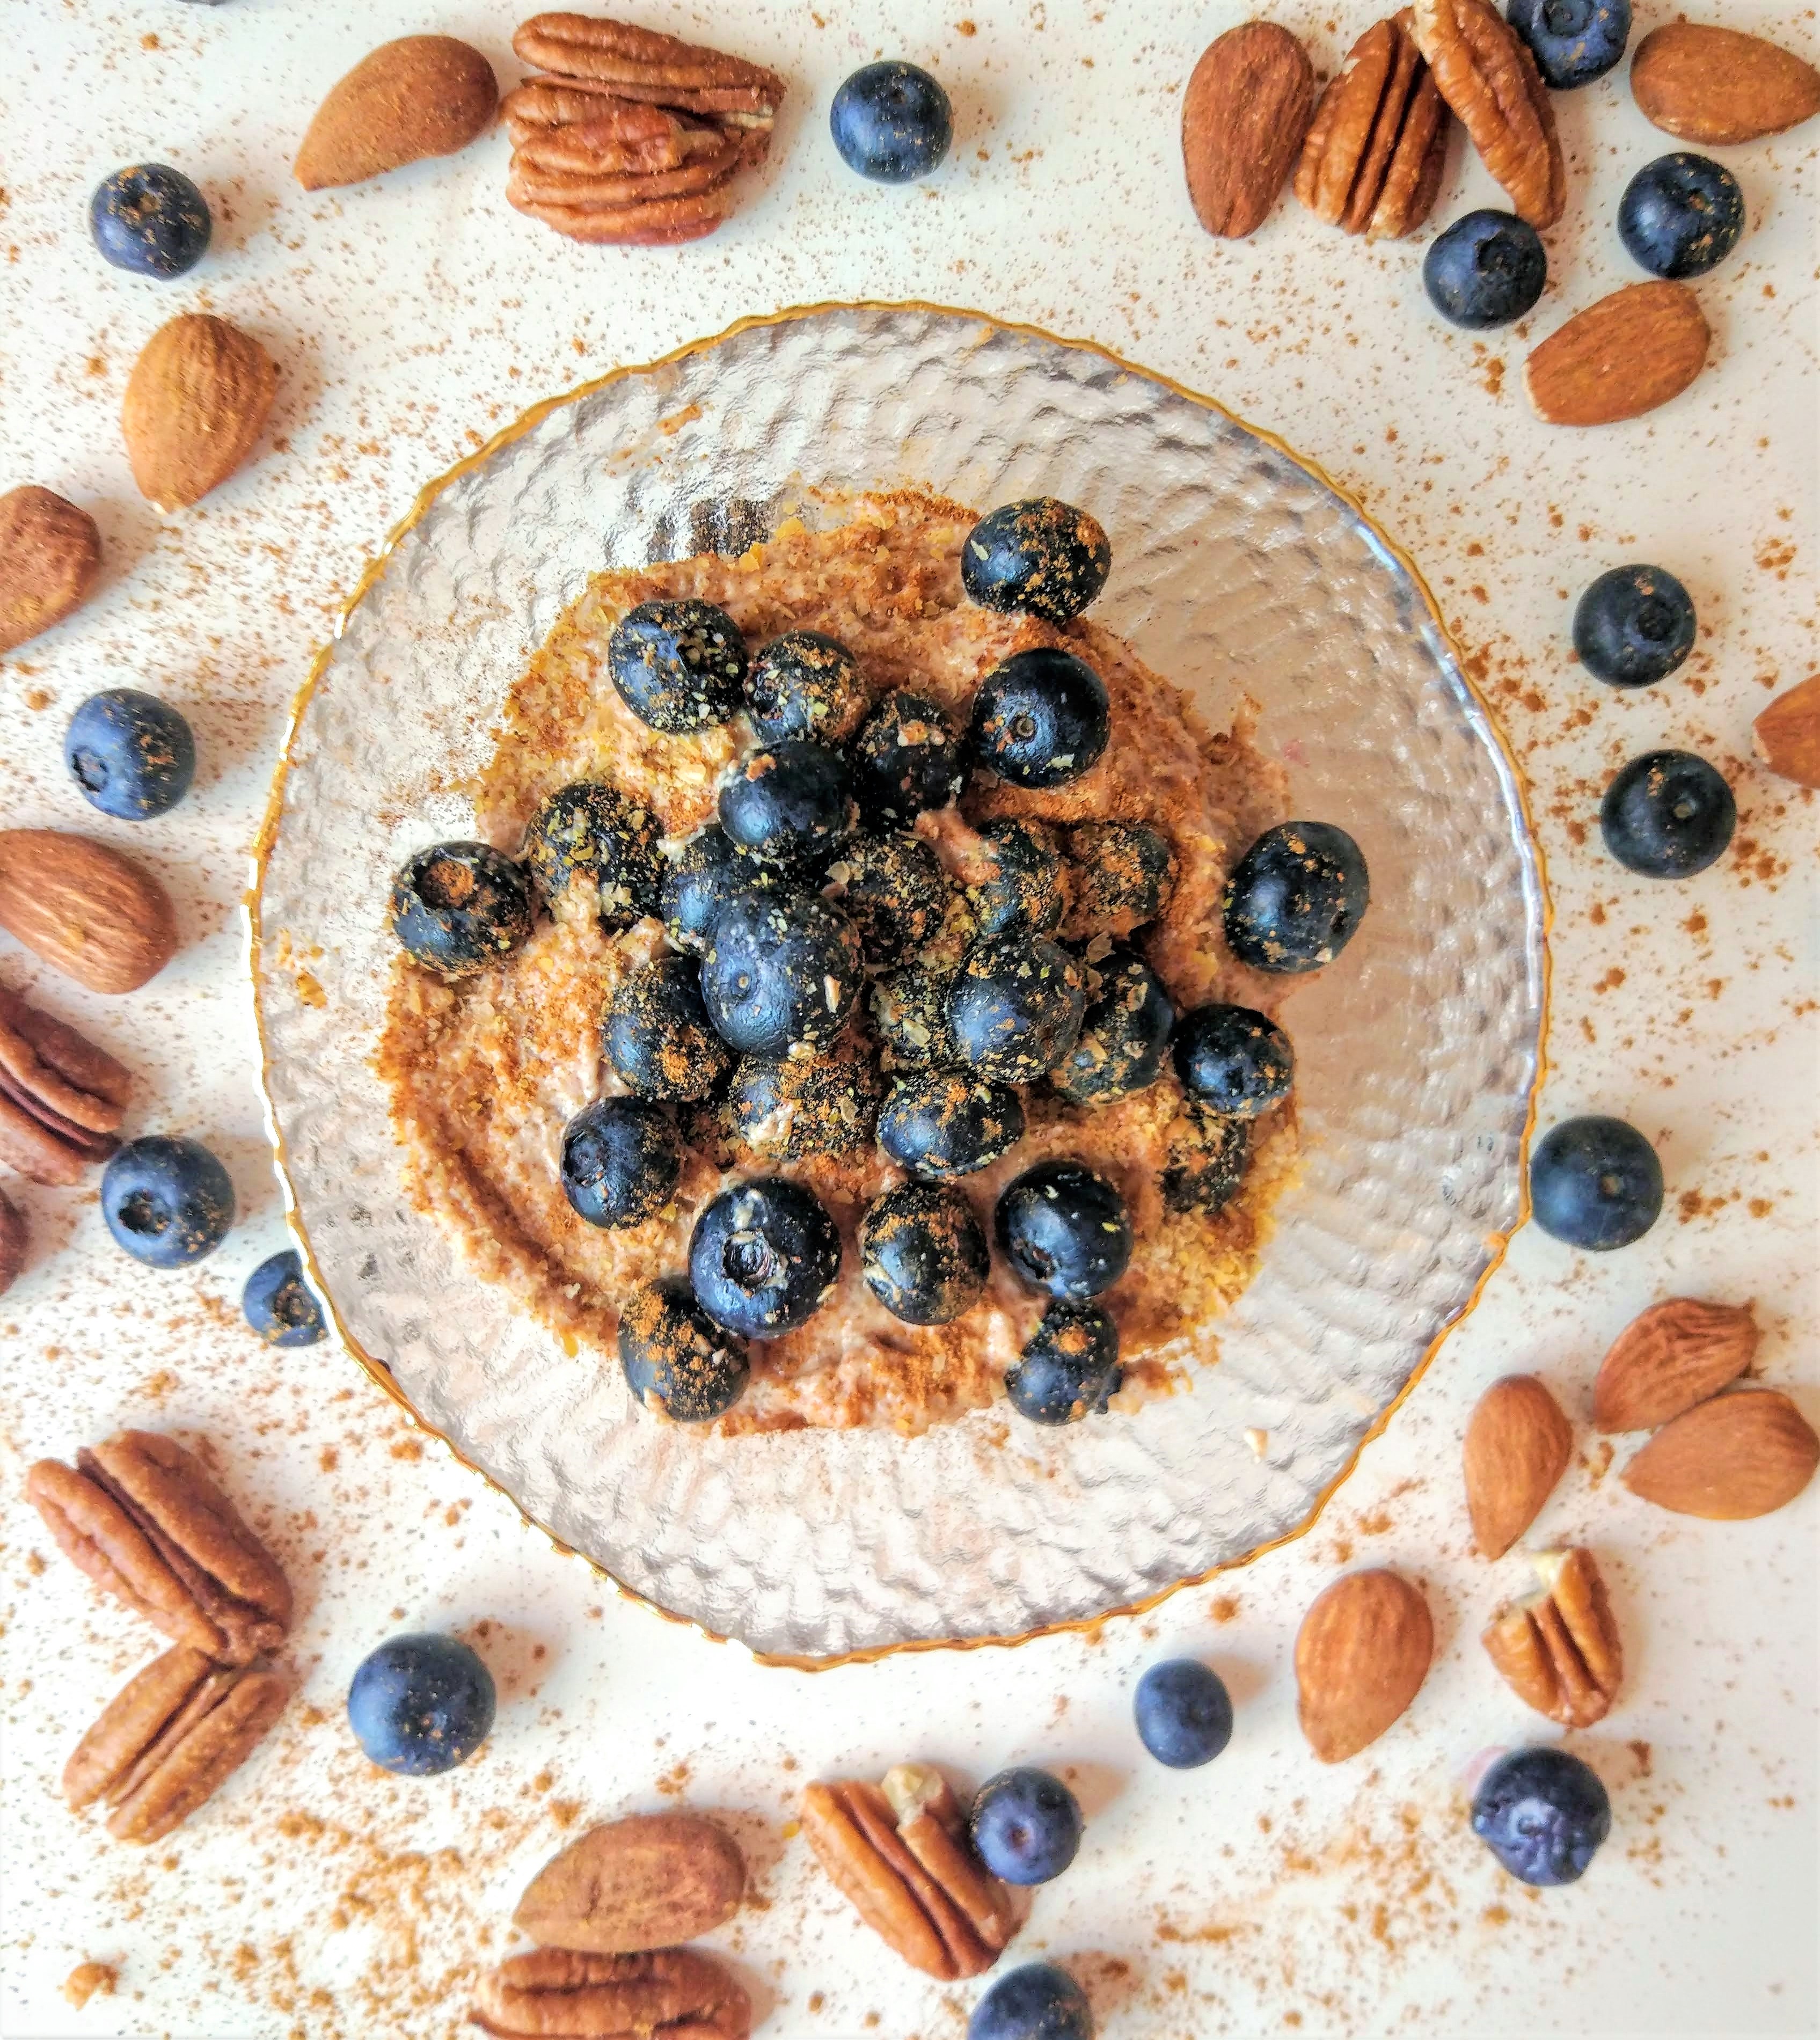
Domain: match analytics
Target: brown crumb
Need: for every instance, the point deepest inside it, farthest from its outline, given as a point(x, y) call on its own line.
point(89, 1979)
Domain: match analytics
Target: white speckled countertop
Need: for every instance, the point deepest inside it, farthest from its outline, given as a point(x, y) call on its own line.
point(411, 317)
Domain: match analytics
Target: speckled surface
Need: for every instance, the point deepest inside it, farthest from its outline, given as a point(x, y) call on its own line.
point(410, 319)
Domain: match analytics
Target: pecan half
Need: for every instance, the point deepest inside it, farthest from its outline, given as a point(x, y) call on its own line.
point(1486, 75)
point(61, 1099)
point(1559, 1651)
point(141, 1518)
point(673, 1995)
point(1373, 161)
point(642, 64)
point(900, 1856)
point(168, 1740)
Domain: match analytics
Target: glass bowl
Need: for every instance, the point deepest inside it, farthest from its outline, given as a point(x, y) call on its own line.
point(1237, 567)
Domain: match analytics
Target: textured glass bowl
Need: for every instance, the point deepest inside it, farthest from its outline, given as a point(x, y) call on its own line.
point(1237, 568)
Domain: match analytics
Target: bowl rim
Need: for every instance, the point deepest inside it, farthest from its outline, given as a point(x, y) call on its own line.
point(1497, 1244)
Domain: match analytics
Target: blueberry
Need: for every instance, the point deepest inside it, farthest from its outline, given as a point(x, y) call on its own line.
point(679, 666)
point(278, 1305)
point(1486, 270)
point(1025, 1825)
point(1014, 1009)
point(763, 1256)
point(1237, 1061)
point(805, 684)
point(893, 890)
point(132, 754)
point(1595, 1183)
point(457, 906)
point(676, 1358)
point(944, 1123)
point(167, 1201)
point(783, 968)
point(924, 1254)
point(786, 1108)
point(1573, 41)
point(150, 219)
point(910, 1017)
point(621, 1161)
point(1065, 1231)
point(792, 806)
point(1206, 1159)
point(657, 1036)
point(1681, 215)
point(892, 123)
point(1184, 1713)
point(1037, 2002)
point(1040, 719)
point(1668, 814)
point(1069, 1368)
point(1025, 891)
point(1040, 557)
point(1296, 898)
point(1123, 872)
point(699, 880)
point(593, 833)
point(1633, 626)
point(1544, 1814)
point(421, 1704)
point(906, 758)
point(1123, 1034)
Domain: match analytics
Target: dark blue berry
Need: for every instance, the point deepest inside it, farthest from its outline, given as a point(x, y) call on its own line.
point(676, 1358)
point(592, 835)
point(657, 1035)
point(1237, 1061)
point(910, 1017)
point(1069, 1368)
point(1573, 41)
point(457, 906)
point(944, 1123)
point(1544, 1814)
point(621, 1161)
point(1633, 626)
point(1025, 1825)
point(1065, 1230)
point(786, 1108)
point(1486, 270)
point(279, 1304)
point(892, 123)
point(1037, 2002)
point(704, 875)
point(1681, 214)
point(1668, 814)
point(1123, 1033)
point(421, 1704)
point(792, 806)
point(1040, 719)
point(679, 666)
point(763, 1256)
point(132, 754)
point(150, 219)
point(906, 758)
point(1024, 891)
point(167, 1201)
point(1014, 1008)
point(1296, 898)
point(1206, 1159)
point(924, 1254)
point(1184, 1713)
point(1041, 556)
point(1595, 1183)
point(805, 684)
point(893, 890)
point(783, 968)
point(1123, 875)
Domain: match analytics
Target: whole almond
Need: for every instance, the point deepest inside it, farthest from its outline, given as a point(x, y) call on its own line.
point(1517, 1445)
point(422, 95)
point(1675, 1355)
point(92, 914)
point(1738, 1456)
point(1716, 85)
point(647, 1882)
point(196, 402)
point(1243, 116)
point(1787, 734)
point(50, 554)
point(1361, 1654)
point(1629, 353)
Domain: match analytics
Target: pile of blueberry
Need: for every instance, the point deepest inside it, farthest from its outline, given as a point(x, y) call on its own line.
point(812, 897)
